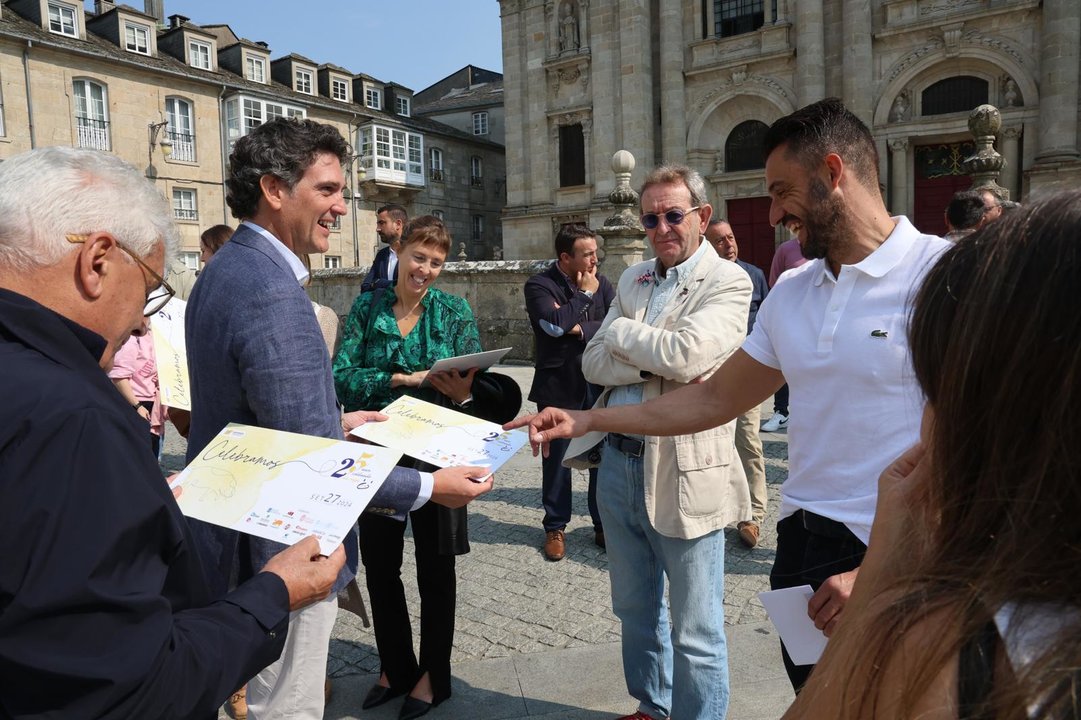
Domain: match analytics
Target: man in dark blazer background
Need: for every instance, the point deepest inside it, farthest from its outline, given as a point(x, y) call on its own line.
point(390, 220)
point(257, 356)
point(566, 305)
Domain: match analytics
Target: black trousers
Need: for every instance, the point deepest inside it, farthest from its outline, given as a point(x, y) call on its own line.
point(556, 487)
point(780, 400)
point(810, 550)
point(382, 542)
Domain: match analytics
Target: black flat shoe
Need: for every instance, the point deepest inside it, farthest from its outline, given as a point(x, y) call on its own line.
point(379, 695)
point(413, 708)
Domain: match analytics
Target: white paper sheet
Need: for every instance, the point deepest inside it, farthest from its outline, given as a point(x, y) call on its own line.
point(787, 608)
point(171, 353)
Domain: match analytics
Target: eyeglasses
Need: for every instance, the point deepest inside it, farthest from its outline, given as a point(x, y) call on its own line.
point(672, 217)
point(155, 299)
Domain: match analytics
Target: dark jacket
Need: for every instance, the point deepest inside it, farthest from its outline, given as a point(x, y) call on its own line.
point(759, 291)
point(104, 608)
point(558, 378)
point(377, 275)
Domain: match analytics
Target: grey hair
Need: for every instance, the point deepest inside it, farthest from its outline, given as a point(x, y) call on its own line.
point(678, 175)
point(48, 193)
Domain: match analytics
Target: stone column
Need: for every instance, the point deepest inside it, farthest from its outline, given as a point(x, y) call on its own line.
point(711, 19)
point(624, 238)
point(553, 155)
point(634, 106)
point(673, 143)
point(1011, 152)
point(767, 12)
point(1060, 57)
point(587, 145)
point(899, 176)
point(551, 22)
point(583, 26)
point(856, 39)
point(810, 52)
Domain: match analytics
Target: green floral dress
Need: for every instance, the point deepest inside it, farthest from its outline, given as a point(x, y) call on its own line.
point(373, 349)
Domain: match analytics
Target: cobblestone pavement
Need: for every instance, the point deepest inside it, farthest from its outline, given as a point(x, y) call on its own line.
point(512, 601)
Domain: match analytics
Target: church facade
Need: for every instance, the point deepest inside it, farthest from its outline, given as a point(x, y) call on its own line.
point(699, 81)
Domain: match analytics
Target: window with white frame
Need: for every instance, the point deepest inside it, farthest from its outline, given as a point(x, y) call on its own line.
point(190, 260)
point(339, 90)
point(199, 54)
point(373, 98)
point(476, 171)
point(394, 155)
point(255, 69)
point(332, 261)
point(243, 114)
point(438, 214)
point(137, 38)
point(435, 164)
point(480, 123)
point(91, 114)
point(401, 106)
point(62, 19)
point(184, 205)
point(180, 130)
point(303, 81)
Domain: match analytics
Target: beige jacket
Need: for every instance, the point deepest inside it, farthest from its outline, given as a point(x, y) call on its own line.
point(693, 483)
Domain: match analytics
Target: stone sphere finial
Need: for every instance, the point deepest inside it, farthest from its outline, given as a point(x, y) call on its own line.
point(622, 162)
point(984, 120)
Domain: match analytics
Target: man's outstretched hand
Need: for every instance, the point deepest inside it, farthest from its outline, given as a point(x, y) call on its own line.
point(551, 424)
point(455, 487)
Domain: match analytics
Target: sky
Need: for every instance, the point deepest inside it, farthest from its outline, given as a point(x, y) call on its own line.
point(412, 42)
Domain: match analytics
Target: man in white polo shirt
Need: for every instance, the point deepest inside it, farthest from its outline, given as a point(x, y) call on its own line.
point(836, 329)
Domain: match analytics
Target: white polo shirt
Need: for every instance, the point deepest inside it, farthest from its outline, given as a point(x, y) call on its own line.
point(841, 344)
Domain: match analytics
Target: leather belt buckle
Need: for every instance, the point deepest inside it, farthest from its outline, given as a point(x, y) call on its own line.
point(629, 446)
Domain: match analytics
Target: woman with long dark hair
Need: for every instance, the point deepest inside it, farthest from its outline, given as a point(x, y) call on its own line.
point(968, 604)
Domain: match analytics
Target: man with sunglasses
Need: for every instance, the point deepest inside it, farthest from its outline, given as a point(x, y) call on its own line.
point(104, 608)
point(665, 502)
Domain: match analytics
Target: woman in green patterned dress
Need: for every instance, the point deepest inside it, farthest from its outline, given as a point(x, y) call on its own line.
point(390, 340)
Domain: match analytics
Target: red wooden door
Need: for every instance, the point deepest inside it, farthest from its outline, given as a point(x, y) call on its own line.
point(749, 218)
point(939, 174)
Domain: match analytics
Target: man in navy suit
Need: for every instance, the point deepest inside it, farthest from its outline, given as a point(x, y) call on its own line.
point(257, 356)
point(566, 305)
point(390, 220)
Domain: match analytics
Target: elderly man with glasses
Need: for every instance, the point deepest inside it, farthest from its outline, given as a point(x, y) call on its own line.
point(105, 611)
point(665, 502)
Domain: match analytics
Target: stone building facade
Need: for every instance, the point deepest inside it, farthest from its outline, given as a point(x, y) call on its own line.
point(130, 82)
point(698, 81)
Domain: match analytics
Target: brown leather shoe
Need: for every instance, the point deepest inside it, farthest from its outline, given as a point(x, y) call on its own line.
point(748, 532)
point(554, 545)
point(237, 705)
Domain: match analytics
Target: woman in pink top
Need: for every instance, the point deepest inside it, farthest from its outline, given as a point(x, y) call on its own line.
point(135, 374)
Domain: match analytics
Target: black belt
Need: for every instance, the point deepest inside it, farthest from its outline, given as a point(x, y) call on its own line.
point(627, 445)
point(819, 525)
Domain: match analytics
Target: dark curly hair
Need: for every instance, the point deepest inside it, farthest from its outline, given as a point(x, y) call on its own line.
point(284, 148)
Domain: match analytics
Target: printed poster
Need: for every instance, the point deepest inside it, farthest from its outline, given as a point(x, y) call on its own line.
point(172, 354)
point(283, 486)
point(442, 437)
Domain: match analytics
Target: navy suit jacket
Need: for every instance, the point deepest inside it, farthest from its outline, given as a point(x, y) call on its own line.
point(759, 291)
point(558, 378)
point(256, 356)
point(377, 276)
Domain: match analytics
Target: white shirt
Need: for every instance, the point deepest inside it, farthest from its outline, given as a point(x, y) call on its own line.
point(841, 344)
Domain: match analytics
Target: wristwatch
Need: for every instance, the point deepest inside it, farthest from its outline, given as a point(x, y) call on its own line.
point(465, 403)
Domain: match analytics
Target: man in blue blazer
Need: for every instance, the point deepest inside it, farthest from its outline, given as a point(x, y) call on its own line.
point(389, 222)
point(256, 356)
point(566, 305)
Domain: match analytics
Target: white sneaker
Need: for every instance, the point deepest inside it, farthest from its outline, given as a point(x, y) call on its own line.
point(775, 423)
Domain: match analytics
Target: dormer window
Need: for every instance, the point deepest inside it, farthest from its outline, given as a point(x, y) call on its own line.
point(62, 20)
point(303, 81)
point(401, 106)
point(373, 98)
point(255, 69)
point(137, 38)
point(339, 90)
point(199, 54)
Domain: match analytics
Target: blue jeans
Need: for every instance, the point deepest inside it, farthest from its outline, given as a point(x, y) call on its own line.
point(680, 672)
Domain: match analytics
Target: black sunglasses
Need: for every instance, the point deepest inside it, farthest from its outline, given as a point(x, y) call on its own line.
point(672, 217)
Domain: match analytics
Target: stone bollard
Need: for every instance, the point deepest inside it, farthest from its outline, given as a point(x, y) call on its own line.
point(623, 235)
point(985, 164)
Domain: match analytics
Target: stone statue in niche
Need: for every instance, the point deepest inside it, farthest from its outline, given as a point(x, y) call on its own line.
point(899, 111)
point(568, 27)
point(1011, 96)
